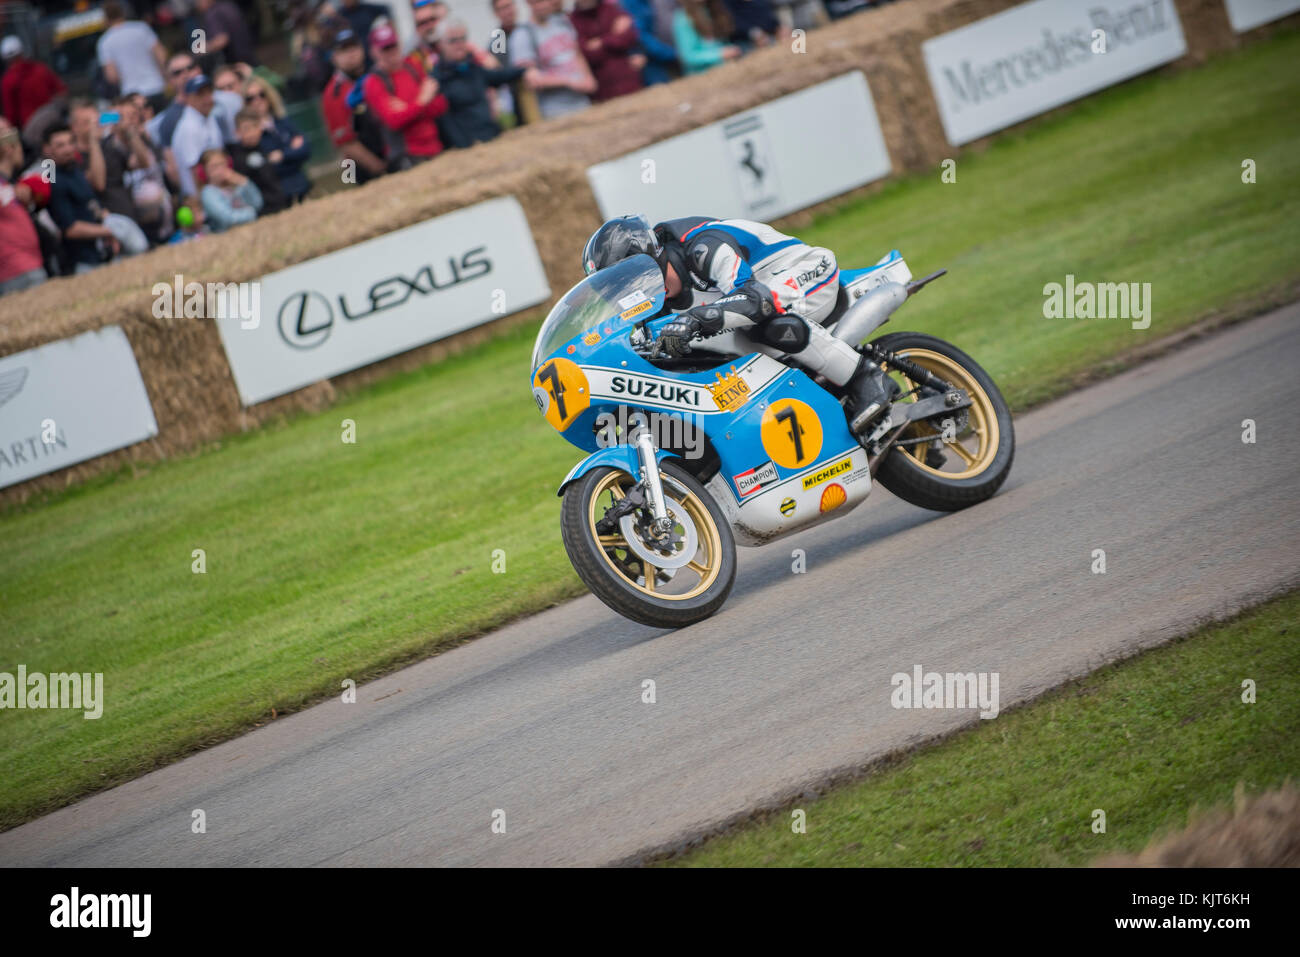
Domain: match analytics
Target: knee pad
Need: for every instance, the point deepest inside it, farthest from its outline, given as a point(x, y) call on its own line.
point(786, 332)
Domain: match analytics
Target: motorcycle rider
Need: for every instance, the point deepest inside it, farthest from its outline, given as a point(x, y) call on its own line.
point(743, 277)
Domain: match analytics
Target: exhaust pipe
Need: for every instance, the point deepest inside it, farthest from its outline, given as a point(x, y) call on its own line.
point(873, 310)
point(869, 313)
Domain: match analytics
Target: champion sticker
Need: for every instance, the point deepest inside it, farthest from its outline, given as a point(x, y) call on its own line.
point(755, 479)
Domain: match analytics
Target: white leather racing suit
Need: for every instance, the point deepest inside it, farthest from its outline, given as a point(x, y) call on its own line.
point(757, 275)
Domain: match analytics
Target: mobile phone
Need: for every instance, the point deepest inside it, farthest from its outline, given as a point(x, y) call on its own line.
point(109, 119)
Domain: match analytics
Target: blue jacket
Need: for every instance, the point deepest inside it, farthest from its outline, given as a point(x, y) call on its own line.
point(659, 55)
point(288, 171)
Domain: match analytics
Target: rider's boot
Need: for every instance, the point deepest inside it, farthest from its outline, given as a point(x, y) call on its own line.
point(869, 391)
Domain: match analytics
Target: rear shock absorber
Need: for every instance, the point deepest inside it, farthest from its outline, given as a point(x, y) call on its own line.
point(910, 369)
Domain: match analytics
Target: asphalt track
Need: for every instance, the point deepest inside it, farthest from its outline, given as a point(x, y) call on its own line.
point(544, 719)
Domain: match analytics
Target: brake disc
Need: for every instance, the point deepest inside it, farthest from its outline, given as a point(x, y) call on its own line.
point(676, 552)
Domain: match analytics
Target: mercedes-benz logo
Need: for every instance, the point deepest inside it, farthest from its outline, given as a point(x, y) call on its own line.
point(305, 320)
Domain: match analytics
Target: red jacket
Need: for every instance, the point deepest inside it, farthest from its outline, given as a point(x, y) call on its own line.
point(615, 76)
point(27, 86)
point(416, 123)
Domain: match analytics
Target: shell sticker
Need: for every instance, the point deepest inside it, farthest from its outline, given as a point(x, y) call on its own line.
point(833, 497)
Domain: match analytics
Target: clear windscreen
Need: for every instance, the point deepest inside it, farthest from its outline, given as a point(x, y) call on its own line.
point(619, 291)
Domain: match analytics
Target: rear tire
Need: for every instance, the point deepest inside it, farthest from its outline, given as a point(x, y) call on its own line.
point(615, 572)
point(978, 461)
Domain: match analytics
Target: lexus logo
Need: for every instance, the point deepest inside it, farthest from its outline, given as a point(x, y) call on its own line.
point(305, 320)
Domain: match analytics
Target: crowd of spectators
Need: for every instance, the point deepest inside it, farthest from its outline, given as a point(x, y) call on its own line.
point(182, 144)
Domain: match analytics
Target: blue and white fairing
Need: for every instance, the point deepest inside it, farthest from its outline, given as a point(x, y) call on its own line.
point(787, 456)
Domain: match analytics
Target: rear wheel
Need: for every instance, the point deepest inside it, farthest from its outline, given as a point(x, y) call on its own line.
point(957, 460)
point(662, 584)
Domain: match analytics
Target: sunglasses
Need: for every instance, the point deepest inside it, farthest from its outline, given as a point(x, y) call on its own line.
point(391, 46)
point(427, 22)
point(184, 69)
point(258, 95)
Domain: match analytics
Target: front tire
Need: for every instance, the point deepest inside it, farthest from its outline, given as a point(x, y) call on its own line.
point(960, 466)
point(693, 577)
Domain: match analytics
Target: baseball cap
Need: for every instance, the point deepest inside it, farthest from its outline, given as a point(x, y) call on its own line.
point(11, 47)
point(196, 83)
point(345, 37)
point(383, 35)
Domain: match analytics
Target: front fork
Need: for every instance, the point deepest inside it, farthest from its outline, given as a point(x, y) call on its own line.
point(662, 525)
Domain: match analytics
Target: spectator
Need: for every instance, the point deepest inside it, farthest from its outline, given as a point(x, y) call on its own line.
point(146, 110)
point(90, 233)
point(227, 31)
point(406, 103)
point(83, 119)
point(361, 17)
point(229, 198)
point(311, 45)
point(800, 14)
point(755, 24)
point(229, 80)
point(654, 22)
point(512, 96)
point(20, 246)
point(466, 84)
point(697, 25)
point(547, 41)
point(366, 152)
point(181, 68)
point(250, 157)
point(507, 22)
point(131, 55)
point(428, 14)
point(282, 142)
point(197, 132)
point(609, 40)
point(27, 85)
point(134, 177)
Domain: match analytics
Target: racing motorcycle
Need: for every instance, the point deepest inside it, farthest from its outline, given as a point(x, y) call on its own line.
point(690, 455)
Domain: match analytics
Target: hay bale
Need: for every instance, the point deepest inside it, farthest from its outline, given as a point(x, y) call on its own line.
point(1260, 831)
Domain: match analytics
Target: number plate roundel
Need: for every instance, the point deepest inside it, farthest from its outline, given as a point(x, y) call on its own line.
point(562, 392)
point(791, 433)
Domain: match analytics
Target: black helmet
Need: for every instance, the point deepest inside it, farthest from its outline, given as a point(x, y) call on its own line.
point(621, 239)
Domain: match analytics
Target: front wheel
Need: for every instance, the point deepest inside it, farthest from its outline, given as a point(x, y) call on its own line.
point(958, 460)
point(661, 584)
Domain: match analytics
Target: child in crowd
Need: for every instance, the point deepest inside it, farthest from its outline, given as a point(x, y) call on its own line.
point(229, 198)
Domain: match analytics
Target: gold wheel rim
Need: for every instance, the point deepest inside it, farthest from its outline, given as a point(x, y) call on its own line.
point(705, 564)
point(981, 428)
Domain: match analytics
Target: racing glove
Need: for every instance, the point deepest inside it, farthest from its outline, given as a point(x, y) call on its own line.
point(698, 321)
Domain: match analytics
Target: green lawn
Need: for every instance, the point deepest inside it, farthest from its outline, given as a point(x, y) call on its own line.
point(1144, 741)
point(328, 561)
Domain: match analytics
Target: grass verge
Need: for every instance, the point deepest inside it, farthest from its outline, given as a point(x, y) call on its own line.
point(1145, 740)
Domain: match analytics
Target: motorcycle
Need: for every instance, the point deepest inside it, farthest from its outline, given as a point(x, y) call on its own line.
point(691, 455)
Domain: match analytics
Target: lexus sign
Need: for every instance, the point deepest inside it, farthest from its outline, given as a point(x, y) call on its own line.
point(353, 307)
